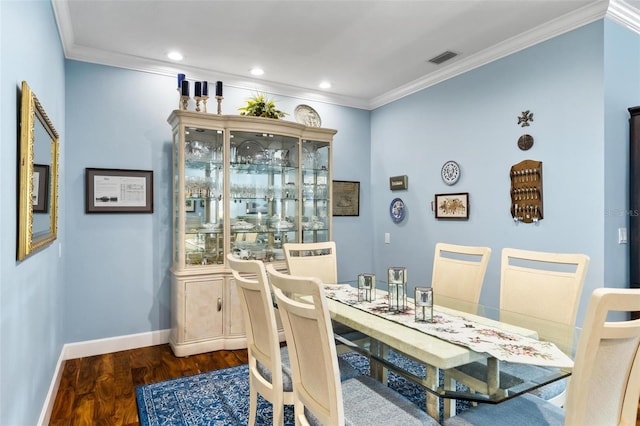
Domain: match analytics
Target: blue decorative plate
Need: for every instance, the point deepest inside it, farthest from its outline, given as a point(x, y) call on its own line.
point(397, 210)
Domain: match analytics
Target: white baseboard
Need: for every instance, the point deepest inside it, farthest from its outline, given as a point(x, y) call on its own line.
point(115, 344)
point(96, 347)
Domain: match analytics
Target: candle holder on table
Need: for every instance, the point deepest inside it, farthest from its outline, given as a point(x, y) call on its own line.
point(219, 99)
point(366, 287)
point(397, 281)
point(423, 304)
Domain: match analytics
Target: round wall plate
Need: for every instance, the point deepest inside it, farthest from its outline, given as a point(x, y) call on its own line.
point(308, 116)
point(397, 210)
point(450, 172)
point(525, 142)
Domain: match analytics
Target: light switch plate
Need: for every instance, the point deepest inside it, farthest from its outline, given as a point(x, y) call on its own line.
point(622, 235)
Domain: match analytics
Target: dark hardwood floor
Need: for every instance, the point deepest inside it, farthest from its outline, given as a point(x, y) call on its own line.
point(100, 390)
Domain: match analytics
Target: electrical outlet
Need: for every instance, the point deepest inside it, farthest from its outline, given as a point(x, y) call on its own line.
point(387, 238)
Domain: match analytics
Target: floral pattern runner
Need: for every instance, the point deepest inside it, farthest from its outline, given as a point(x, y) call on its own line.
point(481, 338)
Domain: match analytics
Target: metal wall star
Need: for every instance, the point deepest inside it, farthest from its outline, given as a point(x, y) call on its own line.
point(525, 118)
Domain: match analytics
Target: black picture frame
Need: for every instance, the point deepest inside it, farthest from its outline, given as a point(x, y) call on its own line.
point(452, 206)
point(345, 198)
point(40, 195)
point(118, 191)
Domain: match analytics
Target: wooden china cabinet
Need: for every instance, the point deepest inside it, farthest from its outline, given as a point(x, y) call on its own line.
point(241, 185)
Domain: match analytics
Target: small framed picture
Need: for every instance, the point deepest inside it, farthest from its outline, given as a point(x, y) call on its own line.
point(452, 206)
point(40, 188)
point(190, 205)
point(346, 198)
point(118, 191)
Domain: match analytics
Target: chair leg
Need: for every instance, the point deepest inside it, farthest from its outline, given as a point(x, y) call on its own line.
point(278, 414)
point(253, 404)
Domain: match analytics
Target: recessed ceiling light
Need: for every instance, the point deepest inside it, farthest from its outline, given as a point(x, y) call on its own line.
point(175, 56)
point(256, 71)
point(324, 85)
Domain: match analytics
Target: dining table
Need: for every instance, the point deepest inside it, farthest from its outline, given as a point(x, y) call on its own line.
point(461, 337)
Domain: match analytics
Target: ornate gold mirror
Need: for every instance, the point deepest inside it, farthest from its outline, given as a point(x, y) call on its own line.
point(38, 191)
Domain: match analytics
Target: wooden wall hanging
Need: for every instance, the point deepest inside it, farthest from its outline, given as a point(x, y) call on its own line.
point(526, 191)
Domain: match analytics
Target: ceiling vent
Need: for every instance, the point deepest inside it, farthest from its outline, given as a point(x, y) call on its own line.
point(445, 56)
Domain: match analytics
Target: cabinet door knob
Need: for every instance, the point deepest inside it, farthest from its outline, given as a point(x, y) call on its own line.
point(219, 304)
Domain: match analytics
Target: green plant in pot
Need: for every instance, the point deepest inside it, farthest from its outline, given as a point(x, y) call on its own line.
point(261, 106)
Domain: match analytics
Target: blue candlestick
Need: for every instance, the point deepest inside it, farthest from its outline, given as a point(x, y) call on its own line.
point(180, 78)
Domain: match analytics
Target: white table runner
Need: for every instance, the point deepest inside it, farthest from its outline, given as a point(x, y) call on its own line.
point(461, 330)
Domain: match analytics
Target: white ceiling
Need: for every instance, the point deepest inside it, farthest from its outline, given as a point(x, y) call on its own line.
point(372, 52)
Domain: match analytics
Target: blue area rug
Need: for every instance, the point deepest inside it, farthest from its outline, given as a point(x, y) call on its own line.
point(221, 397)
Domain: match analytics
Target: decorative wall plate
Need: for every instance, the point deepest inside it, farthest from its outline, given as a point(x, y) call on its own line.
point(397, 210)
point(308, 116)
point(525, 142)
point(450, 172)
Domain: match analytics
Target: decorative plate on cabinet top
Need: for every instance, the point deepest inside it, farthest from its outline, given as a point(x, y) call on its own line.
point(397, 210)
point(450, 172)
point(308, 116)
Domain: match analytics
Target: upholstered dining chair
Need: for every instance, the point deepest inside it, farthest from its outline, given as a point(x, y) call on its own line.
point(458, 271)
point(544, 286)
point(312, 260)
point(316, 260)
point(269, 366)
point(605, 384)
point(547, 286)
point(319, 396)
point(266, 376)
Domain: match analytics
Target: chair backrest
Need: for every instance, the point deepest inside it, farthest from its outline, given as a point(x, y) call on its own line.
point(458, 271)
point(312, 350)
point(263, 343)
point(542, 285)
point(605, 384)
point(312, 260)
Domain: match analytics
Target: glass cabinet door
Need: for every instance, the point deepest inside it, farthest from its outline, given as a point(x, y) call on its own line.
point(264, 194)
point(315, 191)
point(203, 188)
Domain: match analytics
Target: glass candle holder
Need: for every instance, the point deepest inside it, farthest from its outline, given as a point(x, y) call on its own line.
point(366, 287)
point(397, 281)
point(424, 304)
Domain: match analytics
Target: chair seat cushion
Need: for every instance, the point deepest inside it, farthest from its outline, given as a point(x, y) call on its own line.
point(369, 402)
point(347, 371)
point(524, 410)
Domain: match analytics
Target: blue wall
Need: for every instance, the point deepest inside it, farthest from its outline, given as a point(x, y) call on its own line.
point(472, 119)
point(622, 90)
point(32, 291)
point(113, 276)
point(118, 279)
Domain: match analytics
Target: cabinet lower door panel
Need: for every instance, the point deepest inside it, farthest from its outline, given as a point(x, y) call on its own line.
point(203, 309)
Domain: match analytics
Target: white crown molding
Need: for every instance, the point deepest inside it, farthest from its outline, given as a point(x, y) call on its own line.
point(550, 29)
point(624, 14)
point(617, 10)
